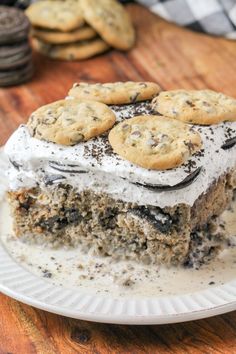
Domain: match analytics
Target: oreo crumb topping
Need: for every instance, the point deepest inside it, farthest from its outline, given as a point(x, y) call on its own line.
point(46, 273)
point(229, 143)
point(130, 110)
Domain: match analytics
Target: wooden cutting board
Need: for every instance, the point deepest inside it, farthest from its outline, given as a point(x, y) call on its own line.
point(175, 58)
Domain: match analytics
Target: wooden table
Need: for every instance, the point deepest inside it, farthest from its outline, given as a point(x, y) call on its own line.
point(175, 58)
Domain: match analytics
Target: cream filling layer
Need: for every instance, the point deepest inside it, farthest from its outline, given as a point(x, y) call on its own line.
point(93, 165)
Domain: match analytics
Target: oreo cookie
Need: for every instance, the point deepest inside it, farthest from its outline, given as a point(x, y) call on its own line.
point(8, 50)
point(16, 76)
point(15, 52)
point(14, 25)
point(16, 60)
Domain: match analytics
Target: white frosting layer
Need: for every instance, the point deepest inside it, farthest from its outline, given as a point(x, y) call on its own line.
point(93, 165)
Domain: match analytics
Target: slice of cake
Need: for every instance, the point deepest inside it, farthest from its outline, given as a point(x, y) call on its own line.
point(83, 192)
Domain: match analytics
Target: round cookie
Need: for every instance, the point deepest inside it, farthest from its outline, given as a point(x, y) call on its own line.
point(69, 122)
point(111, 21)
point(202, 107)
point(115, 93)
point(16, 60)
point(10, 50)
point(14, 25)
point(55, 37)
point(57, 14)
point(17, 76)
point(154, 142)
point(72, 51)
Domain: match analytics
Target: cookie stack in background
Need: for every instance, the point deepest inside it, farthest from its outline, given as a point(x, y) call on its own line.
point(15, 53)
point(79, 29)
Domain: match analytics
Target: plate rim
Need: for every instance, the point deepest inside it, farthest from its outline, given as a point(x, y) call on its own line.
point(111, 317)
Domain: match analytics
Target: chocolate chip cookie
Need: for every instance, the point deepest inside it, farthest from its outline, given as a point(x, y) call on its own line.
point(154, 142)
point(111, 21)
point(56, 37)
point(71, 51)
point(17, 76)
point(14, 25)
point(57, 14)
point(196, 106)
point(115, 93)
point(69, 122)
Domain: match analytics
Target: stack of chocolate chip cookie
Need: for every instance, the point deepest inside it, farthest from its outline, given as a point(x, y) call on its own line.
point(15, 52)
point(79, 29)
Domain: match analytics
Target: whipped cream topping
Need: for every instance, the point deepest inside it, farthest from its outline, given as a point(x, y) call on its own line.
point(94, 165)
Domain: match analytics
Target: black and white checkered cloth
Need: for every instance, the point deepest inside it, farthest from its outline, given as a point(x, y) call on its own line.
point(217, 17)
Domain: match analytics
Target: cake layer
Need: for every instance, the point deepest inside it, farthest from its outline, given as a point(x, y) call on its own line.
point(62, 215)
point(93, 165)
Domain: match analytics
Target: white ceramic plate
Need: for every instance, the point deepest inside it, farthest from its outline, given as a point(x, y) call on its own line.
point(104, 300)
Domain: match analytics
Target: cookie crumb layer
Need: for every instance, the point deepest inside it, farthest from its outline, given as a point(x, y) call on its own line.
point(118, 229)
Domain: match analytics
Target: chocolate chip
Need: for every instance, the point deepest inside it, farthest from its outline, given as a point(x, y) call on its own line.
point(134, 97)
point(136, 133)
point(125, 126)
point(189, 145)
point(143, 84)
point(151, 142)
point(191, 104)
point(206, 104)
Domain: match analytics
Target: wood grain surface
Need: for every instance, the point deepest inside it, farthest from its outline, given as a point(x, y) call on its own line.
point(175, 58)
